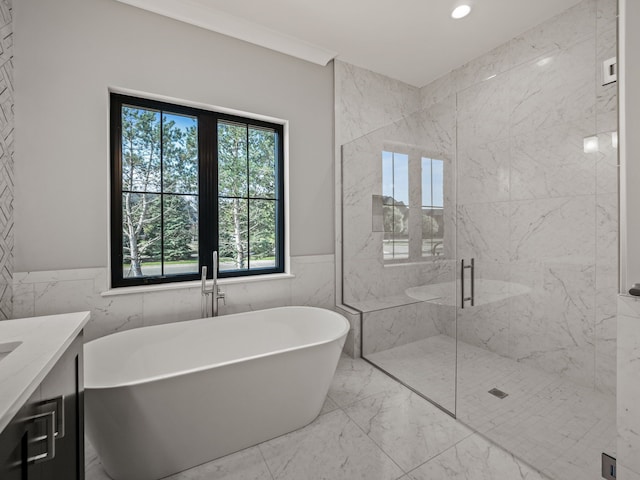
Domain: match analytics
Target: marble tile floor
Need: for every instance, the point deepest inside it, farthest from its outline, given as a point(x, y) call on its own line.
point(408, 363)
point(370, 428)
point(557, 426)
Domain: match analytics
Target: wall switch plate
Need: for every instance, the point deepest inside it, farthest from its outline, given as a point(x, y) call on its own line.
point(608, 467)
point(609, 71)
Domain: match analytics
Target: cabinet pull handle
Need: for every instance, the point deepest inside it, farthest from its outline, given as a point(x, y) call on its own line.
point(49, 437)
point(59, 409)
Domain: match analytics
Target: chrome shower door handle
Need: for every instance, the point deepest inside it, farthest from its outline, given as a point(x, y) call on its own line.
point(471, 267)
point(473, 282)
point(462, 267)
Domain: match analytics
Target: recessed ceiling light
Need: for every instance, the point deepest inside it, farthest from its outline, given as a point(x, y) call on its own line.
point(460, 11)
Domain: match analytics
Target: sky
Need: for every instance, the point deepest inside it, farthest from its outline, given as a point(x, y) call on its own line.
point(395, 179)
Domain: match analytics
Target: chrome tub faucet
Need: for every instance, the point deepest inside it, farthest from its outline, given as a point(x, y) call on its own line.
point(214, 291)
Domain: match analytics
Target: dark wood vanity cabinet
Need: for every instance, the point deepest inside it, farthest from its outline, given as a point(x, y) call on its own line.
point(45, 440)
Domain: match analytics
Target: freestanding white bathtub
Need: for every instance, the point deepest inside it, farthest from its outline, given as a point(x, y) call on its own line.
point(165, 398)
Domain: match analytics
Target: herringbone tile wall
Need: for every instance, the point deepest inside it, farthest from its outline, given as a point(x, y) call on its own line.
point(6, 158)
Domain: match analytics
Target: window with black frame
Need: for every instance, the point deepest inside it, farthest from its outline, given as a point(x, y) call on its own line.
point(186, 182)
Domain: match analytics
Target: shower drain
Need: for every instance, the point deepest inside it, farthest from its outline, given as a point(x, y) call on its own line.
point(498, 393)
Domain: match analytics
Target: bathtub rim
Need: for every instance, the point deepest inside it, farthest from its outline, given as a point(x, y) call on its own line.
point(155, 378)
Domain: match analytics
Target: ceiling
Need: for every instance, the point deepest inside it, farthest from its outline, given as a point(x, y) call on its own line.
point(415, 41)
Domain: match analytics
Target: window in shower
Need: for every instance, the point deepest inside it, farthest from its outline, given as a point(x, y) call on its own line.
point(186, 182)
point(432, 218)
point(413, 191)
point(395, 208)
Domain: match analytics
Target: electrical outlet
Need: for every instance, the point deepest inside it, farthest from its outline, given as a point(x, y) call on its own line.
point(609, 71)
point(608, 467)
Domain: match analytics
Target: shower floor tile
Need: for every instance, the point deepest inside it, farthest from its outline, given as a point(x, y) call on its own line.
point(354, 440)
point(555, 425)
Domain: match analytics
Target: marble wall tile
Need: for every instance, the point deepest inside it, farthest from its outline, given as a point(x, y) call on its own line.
point(439, 89)
point(483, 231)
point(606, 45)
point(484, 173)
point(486, 326)
point(367, 278)
point(49, 276)
point(108, 315)
point(433, 129)
point(607, 230)
point(606, 95)
point(361, 280)
point(628, 385)
point(552, 327)
point(607, 108)
point(111, 315)
point(63, 296)
point(626, 474)
point(483, 112)
point(606, 331)
point(314, 284)
point(553, 90)
point(484, 67)
point(560, 32)
point(607, 169)
point(352, 343)
point(173, 306)
point(362, 168)
point(445, 320)
point(393, 327)
point(557, 228)
point(552, 162)
point(44, 293)
point(359, 239)
point(245, 297)
point(369, 101)
point(606, 15)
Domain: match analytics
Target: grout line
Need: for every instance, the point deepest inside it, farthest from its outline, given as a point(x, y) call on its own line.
point(265, 460)
point(404, 472)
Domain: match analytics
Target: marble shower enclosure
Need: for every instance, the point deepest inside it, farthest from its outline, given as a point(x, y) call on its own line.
point(529, 204)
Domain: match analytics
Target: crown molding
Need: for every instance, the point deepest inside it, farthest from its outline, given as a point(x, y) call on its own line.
point(195, 13)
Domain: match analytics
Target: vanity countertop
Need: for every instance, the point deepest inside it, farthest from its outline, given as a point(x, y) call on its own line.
point(29, 348)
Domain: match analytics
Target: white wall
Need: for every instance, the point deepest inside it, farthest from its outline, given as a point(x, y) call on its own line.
point(630, 141)
point(69, 52)
point(629, 307)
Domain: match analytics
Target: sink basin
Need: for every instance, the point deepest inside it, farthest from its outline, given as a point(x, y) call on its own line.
point(7, 348)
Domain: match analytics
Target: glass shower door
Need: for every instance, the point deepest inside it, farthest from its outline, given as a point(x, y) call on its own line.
point(399, 268)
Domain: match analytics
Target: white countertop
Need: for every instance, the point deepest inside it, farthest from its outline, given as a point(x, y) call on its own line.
point(44, 340)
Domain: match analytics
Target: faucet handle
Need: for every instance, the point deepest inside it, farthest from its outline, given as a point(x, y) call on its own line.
point(203, 280)
point(222, 296)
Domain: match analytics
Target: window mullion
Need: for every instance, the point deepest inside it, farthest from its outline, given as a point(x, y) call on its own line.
point(208, 190)
point(161, 193)
point(248, 203)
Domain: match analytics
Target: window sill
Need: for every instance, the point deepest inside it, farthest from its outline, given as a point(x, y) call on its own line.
point(113, 292)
